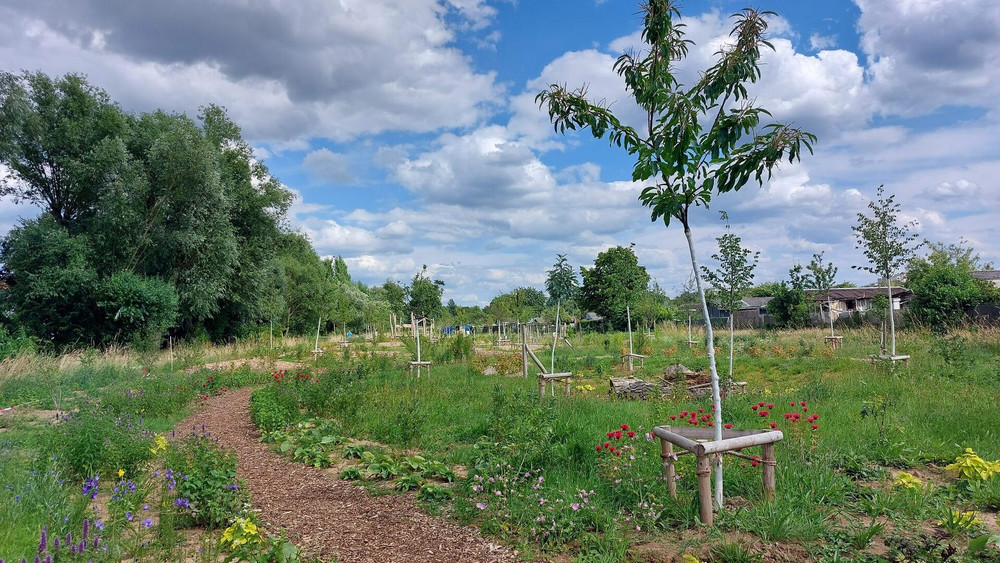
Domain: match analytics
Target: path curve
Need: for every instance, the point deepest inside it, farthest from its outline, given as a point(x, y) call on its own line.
point(328, 517)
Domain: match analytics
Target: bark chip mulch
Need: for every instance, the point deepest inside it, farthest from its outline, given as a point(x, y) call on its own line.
point(330, 518)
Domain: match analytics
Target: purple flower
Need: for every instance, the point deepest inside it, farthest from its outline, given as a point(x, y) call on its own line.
point(86, 528)
point(480, 506)
point(148, 522)
point(43, 541)
point(182, 502)
point(129, 516)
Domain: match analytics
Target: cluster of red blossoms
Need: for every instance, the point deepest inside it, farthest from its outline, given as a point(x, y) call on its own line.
point(279, 376)
point(696, 417)
point(789, 416)
point(615, 435)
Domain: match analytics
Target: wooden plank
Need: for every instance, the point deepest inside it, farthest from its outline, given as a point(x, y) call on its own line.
point(769, 437)
point(561, 375)
point(664, 433)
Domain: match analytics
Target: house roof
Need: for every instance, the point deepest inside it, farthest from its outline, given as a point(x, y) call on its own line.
point(986, 274)
point(847, 294)
point(755, 302)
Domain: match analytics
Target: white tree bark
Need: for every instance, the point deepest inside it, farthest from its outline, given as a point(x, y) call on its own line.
point(710, 350)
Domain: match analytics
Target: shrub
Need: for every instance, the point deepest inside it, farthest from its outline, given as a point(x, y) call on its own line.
point(205, 477)
point(272, 409)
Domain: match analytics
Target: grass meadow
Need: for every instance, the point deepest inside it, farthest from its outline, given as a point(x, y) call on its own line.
point(551, 477)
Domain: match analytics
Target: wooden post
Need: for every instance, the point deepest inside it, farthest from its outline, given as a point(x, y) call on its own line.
point(541, 388)
point(567, 383)
point(524, 355)
point(669, 471)
point(767, 453)
point(316, 348)
point(628, 314)
point(704, 473)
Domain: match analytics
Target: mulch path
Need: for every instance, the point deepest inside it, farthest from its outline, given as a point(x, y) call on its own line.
point(330, 518)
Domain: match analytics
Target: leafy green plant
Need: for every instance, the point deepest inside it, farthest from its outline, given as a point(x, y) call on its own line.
point(272, 409)
point(986, 494)
point(354, 451)
point(352, 473)
point(205, 476)
point(434, 493)
point(381, 466)
point(971, 467)
point(410, 482)
point(438, 470)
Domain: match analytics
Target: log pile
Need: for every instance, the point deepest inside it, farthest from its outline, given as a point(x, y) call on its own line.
point(632, 388)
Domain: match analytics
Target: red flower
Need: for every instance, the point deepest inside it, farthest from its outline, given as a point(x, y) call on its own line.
point(803, 403)
point(791, 403)
point(598, 447)
point(770, 406)
point(774, 425)
point(684, 413)
point(673, 417)
point(631, 434)
point(701, 411)
point(610, 434)
point(764, 413)
point(754, 407)
point(760, 404)
point(607, 446)
point(754, 463)
point(815, 427)
point(624, 426)
point(711, 424)
point(815, 417)
point(805, 409)
point(693, 421)
point(727, 426)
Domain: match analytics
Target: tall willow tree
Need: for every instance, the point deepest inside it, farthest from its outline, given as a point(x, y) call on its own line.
point(700, 140)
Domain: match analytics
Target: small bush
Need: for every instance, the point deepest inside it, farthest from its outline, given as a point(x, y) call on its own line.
point(205, 476)
point(271, 409)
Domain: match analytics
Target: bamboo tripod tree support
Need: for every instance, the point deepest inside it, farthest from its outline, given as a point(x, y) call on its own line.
point(694, 441)
point(543, 376)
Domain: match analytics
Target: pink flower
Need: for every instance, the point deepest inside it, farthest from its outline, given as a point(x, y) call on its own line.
point(480, 506)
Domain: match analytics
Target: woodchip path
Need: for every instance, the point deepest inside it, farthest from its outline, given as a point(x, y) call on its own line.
point(330, 518)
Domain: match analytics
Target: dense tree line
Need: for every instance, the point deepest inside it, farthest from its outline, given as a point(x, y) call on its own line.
point(154, 223)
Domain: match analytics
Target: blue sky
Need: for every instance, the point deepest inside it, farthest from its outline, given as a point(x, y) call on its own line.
point(408, 130)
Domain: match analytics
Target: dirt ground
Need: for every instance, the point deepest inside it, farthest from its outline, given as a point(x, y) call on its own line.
point(327, 517)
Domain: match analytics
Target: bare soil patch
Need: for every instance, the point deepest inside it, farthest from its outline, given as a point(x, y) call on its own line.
point(328, 517)
point(255, 364)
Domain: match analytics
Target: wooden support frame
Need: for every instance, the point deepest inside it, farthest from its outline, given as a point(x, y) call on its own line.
point(415, 368)
point(629, 360)
point(876, 358)
point(698, 441)
point(834, 342)
point(543, 376)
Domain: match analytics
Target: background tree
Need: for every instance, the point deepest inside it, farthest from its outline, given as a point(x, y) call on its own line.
point(732, 279)
point(425, 295)
point(701, 140)
point(887, 245)
point(942, 285)
point(616, 281)
point(788, 305)
point(821, 278)
point(152, 203)
point(562, 285)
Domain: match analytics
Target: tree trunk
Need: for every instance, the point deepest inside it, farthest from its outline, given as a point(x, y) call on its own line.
point(829, 310)
point(731, 339)
point(710, 350)
point(555, 338)
point(892, 318)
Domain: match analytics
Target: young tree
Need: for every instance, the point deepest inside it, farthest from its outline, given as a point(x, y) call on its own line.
point(701, 140)
point(732, 279)
point(821, 278)
point(788, 305)
point(561, 284)
point(886, 244)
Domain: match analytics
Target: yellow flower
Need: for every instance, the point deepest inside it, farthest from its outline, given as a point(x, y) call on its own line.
point(121, 472)
point(159, 444)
